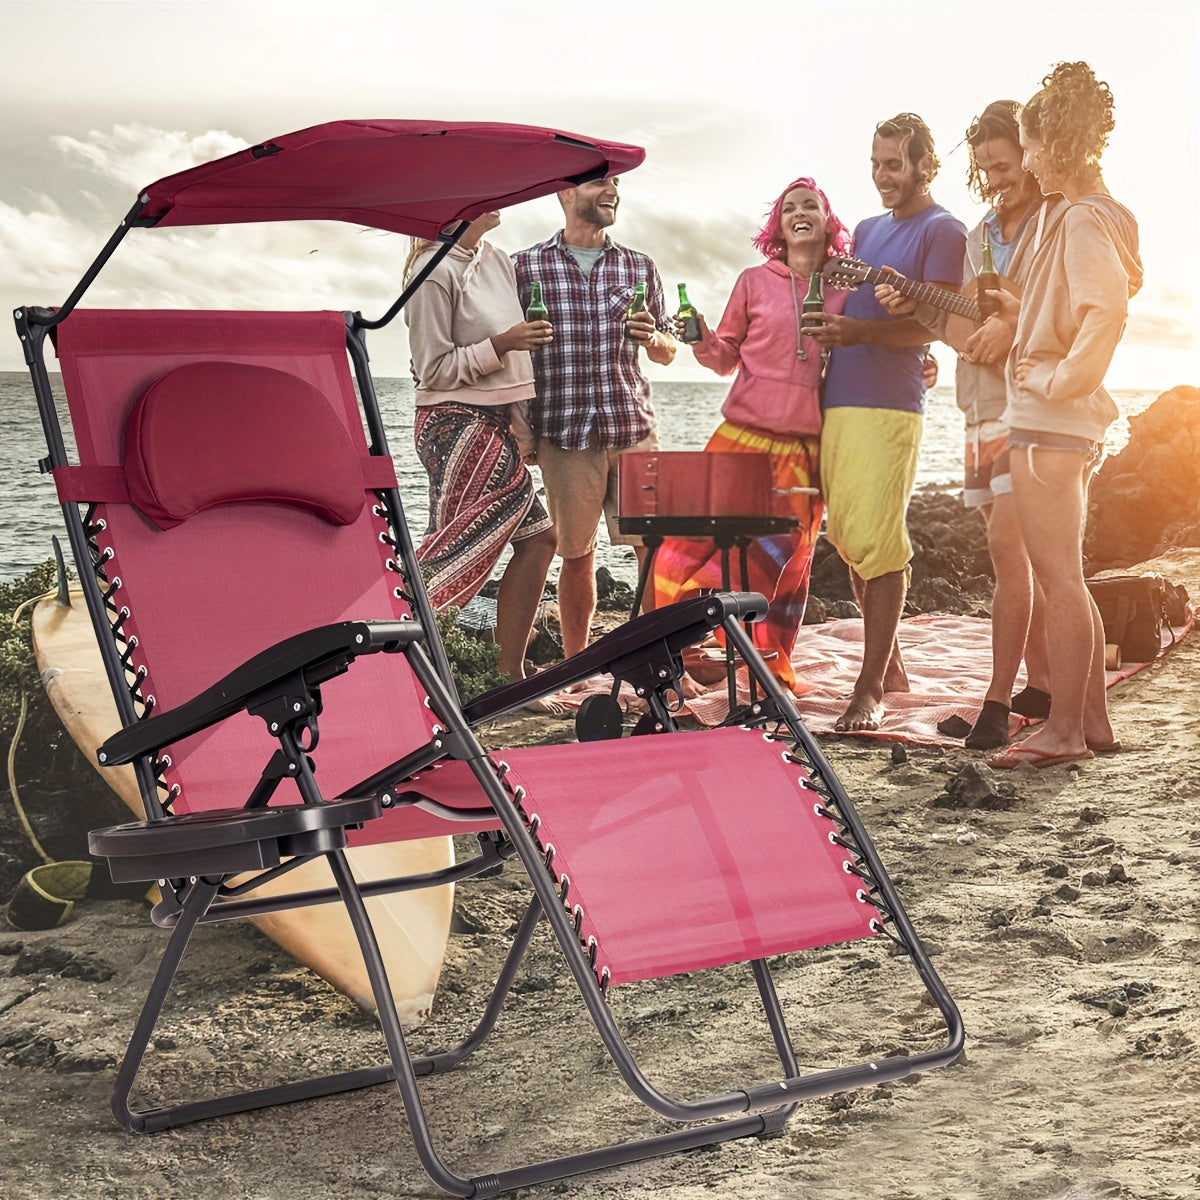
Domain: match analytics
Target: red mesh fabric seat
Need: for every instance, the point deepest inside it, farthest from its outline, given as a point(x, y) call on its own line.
point(675, 833)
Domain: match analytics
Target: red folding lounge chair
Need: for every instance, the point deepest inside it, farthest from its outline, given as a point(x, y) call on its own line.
point(248, 569)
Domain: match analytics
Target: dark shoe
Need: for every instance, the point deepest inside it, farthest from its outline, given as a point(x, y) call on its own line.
point(991, 727)
point(1032, 702)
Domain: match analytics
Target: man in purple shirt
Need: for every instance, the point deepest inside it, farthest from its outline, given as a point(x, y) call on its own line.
point(592, 399)
point(874, 401)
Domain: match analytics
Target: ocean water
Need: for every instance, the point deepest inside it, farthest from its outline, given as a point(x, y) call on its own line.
point(688, 412)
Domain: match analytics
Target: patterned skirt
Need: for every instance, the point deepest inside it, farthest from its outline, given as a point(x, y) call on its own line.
point(778, 567)
point(481, 497)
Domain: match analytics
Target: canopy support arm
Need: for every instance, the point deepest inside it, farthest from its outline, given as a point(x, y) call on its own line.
point(448, 240)
point(51, 317)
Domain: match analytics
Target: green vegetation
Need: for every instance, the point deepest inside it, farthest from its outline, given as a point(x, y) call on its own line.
point(472, 660)
point(18, 671)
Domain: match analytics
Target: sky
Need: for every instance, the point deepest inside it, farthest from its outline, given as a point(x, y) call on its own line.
point(99, 98)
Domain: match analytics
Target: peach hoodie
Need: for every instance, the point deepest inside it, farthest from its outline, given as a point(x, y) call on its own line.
point(1083, 268)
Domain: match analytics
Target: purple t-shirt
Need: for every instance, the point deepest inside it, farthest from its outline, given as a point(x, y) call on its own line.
point(927, 246)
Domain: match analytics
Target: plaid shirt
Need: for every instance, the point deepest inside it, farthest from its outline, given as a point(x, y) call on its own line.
point(588, 379)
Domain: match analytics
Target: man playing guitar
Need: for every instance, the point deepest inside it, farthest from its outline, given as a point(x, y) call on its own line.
point(874, 401)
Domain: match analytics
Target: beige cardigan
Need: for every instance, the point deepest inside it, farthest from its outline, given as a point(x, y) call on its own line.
point(471, 295)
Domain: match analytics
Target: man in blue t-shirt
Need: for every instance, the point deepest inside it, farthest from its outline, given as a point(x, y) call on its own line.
point(874, 401)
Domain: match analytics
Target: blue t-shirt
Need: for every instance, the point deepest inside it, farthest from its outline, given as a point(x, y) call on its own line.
point(929, 246)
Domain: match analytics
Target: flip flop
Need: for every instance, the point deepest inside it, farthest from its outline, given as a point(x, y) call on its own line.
point(1113, 747)
point(1019, 754)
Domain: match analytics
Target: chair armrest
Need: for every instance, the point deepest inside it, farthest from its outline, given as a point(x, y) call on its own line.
point(317, 655)
point(676, 626)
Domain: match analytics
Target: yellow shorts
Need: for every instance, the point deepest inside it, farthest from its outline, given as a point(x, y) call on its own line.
point(868, 467)
point(581, 486)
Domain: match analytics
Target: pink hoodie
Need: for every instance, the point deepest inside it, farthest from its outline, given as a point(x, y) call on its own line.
point(775, 390)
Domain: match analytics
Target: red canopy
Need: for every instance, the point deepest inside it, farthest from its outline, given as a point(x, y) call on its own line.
point(411, 177)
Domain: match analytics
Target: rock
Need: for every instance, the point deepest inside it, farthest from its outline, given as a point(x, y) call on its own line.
point(975, 786)
point(842, 609)
point(612, 593)
point(1146, 499)
point(46, 958)
point(815, 612)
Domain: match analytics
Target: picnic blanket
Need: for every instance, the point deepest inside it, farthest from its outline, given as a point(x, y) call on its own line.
point(948, 659)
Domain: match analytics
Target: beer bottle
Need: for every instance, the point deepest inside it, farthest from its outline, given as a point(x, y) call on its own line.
point(688, 316)
point(537, 310)
point(636, 305)
point(814, 302)
point(987, 281)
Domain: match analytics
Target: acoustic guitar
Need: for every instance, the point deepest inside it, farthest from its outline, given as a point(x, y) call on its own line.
point(961, 308)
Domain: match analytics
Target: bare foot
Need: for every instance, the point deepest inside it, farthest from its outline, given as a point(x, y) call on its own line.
point(1050, 746)
point(895, 678)
point(1101, 737)
point(862, 715)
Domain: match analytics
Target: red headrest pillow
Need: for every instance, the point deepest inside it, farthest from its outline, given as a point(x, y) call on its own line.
point(211, 433)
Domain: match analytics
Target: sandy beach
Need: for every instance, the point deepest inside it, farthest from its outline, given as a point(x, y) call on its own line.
point(1062, 915)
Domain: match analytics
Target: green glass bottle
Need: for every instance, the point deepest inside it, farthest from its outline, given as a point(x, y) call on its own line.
point(636, 305)
point(537, 310)
point(688, 317)
point(814, 302)
point(987, 281)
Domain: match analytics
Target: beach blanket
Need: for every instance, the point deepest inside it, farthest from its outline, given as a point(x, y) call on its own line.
point(949, 663)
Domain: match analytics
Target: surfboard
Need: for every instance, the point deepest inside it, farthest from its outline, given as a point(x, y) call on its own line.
point(412, 928)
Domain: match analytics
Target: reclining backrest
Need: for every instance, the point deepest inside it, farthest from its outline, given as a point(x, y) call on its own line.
point(234, 482)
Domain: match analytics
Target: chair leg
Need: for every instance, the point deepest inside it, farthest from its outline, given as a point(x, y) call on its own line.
point(194, 907)
point(389, 1020)
point(445, 1060)
point(406, 1080)
point(783, 1040)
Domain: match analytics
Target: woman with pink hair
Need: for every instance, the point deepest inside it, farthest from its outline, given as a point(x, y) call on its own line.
point(773, 406)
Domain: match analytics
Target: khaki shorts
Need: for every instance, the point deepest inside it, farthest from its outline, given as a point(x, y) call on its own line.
point(868, 467)
point(581, 486)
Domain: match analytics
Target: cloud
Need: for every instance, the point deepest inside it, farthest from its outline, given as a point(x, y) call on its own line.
point(136, 155)
point(52, 229)
point(1161, 318)
point(47, 243)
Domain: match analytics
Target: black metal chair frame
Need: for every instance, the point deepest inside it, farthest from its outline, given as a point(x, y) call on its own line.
point(194, 858)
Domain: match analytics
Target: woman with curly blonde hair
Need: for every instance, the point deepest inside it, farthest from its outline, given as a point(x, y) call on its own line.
point(1083, 269)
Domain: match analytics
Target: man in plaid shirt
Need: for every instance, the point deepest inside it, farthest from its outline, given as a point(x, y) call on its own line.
point(592, 399)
